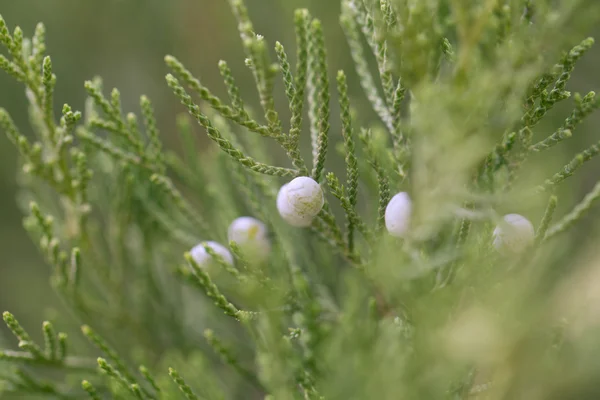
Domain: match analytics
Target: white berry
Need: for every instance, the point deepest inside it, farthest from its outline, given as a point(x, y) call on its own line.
point(514, 235)
point(203, 259)
point(251, 235)
point(397, 215)
point(300, 200)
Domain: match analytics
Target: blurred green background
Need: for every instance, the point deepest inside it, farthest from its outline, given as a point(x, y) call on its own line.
point(124, 41)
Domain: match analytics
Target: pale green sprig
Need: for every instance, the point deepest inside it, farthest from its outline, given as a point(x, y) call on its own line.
point(212, 100)
point(549, 99)
point(12, 69)
point(226, 354)
point(264, 72)
point(291, 144)
point(312, 80)
point(383, 182)
point(448, 50)
point(348, 135)
point(113, 373)
point(22, 335)
point(542, 230)
point(155, 148)
point(333, 230)
point(389, 14)
point(576, 214)
point(49, 82)
point(149, 157)
point(569, 169)
point(301, 23)
point(48, 159)
point(375, 36)
point(184, 387)
point(320, 82)
point(94, 90)
point(146, 374)
point(38, 50)
point(351, 160)
point(203, 281)
point(223, 143)
point(5, 37)
point(25, 384)
point(232, 270)
point(115, 128)
point(90, 390)
point(13, 134)
point(75, 267)
point(384, 197)
point(50, 340)
point(42, 227)
point(362, 69)
point(114, 151)
point(167, 186)
point(288, 80)
point(232, 89)
point(583, 107)
point(119, 364)
point(354, 220)
point(54, 355)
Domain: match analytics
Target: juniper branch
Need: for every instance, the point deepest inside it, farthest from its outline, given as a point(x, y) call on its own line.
point(118, 377)
point(291, 144)
point(223, 143)
point(576, 214)
point(583, 107)
point(201, 278)
point(228, 357)
point(546, 220)
point(351, 160)
point(184, 387)
point(362, 69)
point(213, 101)
point(90, 390)
point(301, 24)
point(569, 169)
point(320, 81)
point(376, 40)
point(67, 363)
point(101, 344)
point(232, 90)
point(558, 92)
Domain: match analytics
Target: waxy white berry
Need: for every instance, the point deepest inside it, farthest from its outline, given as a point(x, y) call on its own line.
point(251, 236)
point(514, 235)
point(397, 214)
point(300, 200)
point(203, 259)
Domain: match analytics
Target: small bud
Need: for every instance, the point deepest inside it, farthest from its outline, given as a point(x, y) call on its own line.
point(300, 200)
point(514, 235)
point(397, 214)
point(251, 235)
point(203, 259)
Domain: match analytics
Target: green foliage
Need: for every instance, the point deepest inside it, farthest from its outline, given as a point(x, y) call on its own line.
point(338, 310)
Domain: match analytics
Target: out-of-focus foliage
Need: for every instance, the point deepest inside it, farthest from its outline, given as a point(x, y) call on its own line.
point(470, 106)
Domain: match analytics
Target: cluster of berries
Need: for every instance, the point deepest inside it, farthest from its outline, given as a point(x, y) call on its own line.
point(301, 200)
